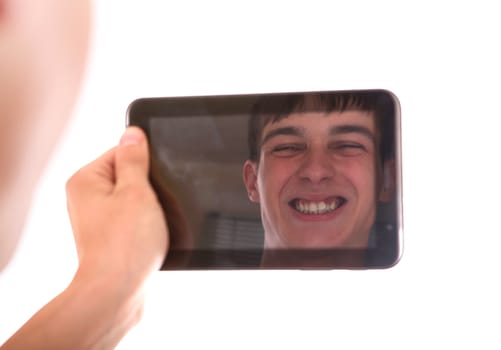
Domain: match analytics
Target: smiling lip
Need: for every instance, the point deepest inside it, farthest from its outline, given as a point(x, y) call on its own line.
point(317, 207)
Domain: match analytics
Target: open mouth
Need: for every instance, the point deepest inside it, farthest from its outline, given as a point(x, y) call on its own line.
point(309, 207)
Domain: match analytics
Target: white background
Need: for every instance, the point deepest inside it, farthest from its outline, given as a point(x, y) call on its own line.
point(441, 59)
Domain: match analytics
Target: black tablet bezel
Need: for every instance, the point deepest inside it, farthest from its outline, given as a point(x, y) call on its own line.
point(142, 110)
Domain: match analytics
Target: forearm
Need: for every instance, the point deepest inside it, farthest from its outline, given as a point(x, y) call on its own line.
point(93, 314)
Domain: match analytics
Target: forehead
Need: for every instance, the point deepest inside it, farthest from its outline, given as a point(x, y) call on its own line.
point(323, 121)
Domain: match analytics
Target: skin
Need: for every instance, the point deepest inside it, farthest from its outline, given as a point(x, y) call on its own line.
point(43, 46)
point(314, 158)
point(119, 229)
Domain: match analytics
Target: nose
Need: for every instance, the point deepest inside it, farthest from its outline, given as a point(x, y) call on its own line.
point(317, 166)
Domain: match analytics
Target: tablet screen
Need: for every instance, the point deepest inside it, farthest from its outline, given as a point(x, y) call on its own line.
point(288, 180)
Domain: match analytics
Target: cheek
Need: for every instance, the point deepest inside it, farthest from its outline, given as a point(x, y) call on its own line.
point(43, 48)
point(274, 174)
point(362, 175)
point(58, 34)
point(273, 177)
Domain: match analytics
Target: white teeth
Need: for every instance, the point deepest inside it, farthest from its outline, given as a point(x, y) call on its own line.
point(301, 208)
point(313, 208)
point(321, 207)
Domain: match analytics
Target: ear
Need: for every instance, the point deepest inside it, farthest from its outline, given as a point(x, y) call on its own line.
point(388, 181)
point(250, 180)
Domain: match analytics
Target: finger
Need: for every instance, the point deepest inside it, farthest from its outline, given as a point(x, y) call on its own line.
point(87, 184)
point(97, 175)
point(132, 158)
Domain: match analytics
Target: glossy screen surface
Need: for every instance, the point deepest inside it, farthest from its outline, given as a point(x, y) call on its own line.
point(326, 164)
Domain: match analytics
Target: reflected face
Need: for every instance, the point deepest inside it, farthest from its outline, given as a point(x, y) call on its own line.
point(316, 180)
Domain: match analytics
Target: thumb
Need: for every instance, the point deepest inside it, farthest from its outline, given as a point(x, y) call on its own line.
point(132, 157)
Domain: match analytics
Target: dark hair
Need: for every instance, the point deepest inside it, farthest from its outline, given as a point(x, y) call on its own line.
point(272, 108)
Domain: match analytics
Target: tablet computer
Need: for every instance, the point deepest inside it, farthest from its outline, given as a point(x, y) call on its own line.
point(300, 180)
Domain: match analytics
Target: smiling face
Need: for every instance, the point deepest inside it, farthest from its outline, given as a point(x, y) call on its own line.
point(315, 179)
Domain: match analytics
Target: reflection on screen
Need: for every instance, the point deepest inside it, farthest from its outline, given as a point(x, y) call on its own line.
point(198, 159)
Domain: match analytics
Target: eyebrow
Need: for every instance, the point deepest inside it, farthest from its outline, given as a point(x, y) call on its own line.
point(348, 129)
point(288, 130)
point(333, 131)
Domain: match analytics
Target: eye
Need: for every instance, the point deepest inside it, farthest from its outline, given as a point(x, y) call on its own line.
point(348, 149)
point(287, 150)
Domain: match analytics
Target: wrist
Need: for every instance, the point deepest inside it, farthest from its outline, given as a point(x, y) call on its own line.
point(93, 312)
point(119, 278)
point(107, 307)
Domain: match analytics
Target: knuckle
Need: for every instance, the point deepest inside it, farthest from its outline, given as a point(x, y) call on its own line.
point(76, 181)
point(73, 182)
point(136, 193)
